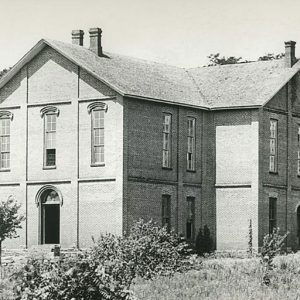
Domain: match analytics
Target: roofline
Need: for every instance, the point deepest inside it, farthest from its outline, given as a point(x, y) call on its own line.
point(165, 101)
point(236, 107)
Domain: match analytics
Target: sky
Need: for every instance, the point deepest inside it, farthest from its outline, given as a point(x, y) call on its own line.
point(176, 32)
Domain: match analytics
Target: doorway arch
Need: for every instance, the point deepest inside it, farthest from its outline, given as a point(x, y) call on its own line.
point(49, 200)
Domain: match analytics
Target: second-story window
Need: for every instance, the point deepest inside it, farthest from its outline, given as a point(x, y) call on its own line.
point(298, 152)
point(97, 136)
point(167, 139)
point(191, 144)
point(50, 140)
point(4, 143)
point(273, 146)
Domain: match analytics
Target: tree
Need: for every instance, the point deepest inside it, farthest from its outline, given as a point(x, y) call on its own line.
point(10, 220)
point(216, 59)
point(3, 72)
point(270, 56)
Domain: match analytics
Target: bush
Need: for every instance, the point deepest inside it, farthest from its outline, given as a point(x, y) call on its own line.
point(204, 243)
point(107, 270)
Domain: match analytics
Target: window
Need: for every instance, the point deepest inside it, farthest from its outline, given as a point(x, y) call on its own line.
point(298, 152)
point(97, 136)
point(167, 127)
point(272, 214)
point(50, 140)
point(191, 144)
point(190, 221)
point(273, 146)
point(166, 211)
point(4, 143)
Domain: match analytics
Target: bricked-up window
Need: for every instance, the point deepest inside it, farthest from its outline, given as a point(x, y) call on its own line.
point(272, 214)
point(97, 136)
point(167, 140)
point(166, 211)
point(273, 146)
point(298, 152)
point(191, 144)
point(4, 143)
point(190, 222)
point(50, 139)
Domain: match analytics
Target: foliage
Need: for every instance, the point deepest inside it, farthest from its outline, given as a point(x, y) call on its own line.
point(250, 239)
point(271, 56)
point(229, 278)
point(204, 243)
point(272, 245)
point(10, 220)
point(3, 72)
point(108, 269)
point(216, 59)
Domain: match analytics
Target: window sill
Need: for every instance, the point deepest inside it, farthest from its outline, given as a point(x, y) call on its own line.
point(4, 170)
point(167, 168)
point(273, 173)
point(49, 167)
point(191, 171)
point(98, 165)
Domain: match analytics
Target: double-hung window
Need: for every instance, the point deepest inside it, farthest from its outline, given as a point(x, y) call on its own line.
point(191, 123)
point(272, 214)
point(50, 140)
point(97, 136)
point(273, 160)
point(166, 211)
point(167, 140)
point(4, 143)
point(298, 152)
point(190, 221)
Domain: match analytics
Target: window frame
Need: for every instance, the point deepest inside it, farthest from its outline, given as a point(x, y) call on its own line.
point(272, 214)
point(275, 155)
point(193, 153)
point(166, 218)
point(5, 116)
point(93, 156)
point(169, 150)
point(298, 151)
point(191, 217)
point(45, 116)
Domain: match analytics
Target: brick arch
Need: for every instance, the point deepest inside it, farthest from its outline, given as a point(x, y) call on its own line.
point(44, 189)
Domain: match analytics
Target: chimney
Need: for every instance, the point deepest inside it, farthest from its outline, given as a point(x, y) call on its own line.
point(95, 41)
point(290, 58)
point(77, 37)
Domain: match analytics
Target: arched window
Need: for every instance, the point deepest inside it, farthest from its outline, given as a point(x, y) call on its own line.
point(97, 111)
point(49, 114)
point(5, 119)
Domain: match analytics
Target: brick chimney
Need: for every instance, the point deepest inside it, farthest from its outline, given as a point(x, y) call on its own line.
point(77, 37)
point(290, 57)
point(95, 41)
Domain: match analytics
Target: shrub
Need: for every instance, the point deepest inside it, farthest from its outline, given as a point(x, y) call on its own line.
point(107, 270)
point(204, 243)
point(272, 245)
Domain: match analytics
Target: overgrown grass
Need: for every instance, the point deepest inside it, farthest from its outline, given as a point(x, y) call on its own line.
point(228, 278)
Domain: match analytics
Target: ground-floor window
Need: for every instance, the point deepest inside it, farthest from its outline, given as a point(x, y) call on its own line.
point(190, 221)
point(272, 214)
point(166, 211)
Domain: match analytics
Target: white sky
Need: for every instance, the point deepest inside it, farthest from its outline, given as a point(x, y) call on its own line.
point(178, 32)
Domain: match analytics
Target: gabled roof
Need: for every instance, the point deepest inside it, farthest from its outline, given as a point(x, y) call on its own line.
point(243, 84)
point(230, 86)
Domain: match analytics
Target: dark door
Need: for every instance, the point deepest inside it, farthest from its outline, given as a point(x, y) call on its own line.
point(50, 224)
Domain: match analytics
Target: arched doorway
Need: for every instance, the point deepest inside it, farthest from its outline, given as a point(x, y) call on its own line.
point(49, 201)
point(298, 226)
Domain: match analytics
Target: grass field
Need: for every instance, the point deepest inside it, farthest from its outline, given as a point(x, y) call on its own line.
point(228, 278)
point(222, 278)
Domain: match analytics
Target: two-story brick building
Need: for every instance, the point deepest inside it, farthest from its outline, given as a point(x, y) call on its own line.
point(91, 141)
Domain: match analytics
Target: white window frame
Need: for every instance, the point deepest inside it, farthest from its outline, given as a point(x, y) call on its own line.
point(5, 151)
point(273, 142)
point(167, 141)
point(191, 144)
point(101, 144)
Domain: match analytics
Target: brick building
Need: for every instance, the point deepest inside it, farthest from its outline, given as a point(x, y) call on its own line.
point(92, 141)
